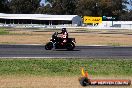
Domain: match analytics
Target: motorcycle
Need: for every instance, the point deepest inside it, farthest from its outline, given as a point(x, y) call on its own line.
point(57, 43)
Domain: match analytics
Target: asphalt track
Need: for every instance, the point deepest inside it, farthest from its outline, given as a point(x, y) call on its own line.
point(38, 51)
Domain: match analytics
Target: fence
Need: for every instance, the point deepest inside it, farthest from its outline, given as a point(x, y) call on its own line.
point(103, 25)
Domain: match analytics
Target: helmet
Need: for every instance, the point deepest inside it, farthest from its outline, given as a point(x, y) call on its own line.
point(63, 30)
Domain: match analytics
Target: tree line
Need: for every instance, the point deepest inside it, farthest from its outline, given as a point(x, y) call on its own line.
point(116, 8)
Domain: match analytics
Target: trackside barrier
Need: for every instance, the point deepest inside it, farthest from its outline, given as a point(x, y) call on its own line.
point(58, 27)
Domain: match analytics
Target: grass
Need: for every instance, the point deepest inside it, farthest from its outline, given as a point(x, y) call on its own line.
point(114, 44)
point(3, 31)
point(83, 36)
point(64, 67)
point(8, 43)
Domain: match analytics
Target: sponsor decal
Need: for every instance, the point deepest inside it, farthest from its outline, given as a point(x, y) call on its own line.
point(87, 19)
point(86, 81)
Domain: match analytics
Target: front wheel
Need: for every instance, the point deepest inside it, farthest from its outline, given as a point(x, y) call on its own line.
point(70, 46)
point(84, 81)
point(49, 46)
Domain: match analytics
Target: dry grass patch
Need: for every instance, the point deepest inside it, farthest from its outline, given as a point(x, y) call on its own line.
point(102, 39)
point(83, 37)
point(50, 82)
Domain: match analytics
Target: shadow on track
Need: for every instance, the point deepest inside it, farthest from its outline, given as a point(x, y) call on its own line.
point(64, 50)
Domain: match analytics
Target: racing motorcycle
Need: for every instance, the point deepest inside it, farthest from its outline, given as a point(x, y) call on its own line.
point(57, 43)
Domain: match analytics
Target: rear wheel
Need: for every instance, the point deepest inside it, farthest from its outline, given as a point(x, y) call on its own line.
point(49, 46)
point(70, 46)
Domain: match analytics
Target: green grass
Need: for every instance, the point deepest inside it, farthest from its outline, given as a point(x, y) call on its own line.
point(8, 43)
point(114, 44)
point(63, 67)
point(3, 31)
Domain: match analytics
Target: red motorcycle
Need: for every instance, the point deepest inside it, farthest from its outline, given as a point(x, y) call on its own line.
point(57, 43)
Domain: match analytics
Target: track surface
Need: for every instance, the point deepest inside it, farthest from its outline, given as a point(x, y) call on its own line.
point(39, 51)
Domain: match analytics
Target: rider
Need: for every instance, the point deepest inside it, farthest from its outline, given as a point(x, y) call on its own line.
point(64, 35)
